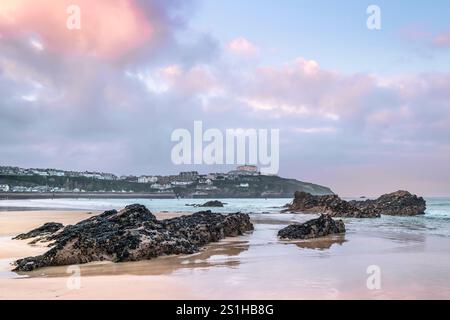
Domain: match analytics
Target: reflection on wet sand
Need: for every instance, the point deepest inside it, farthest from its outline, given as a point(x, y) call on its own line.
point(320, 243)
point(220, 254)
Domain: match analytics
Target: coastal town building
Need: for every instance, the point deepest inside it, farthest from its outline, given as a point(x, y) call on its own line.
point(109, 176)
point(161, 187)
point(56, 173)
point(181, 183)
point(205, 181)
point(246, 170)
point(147, 179)
point(206, 188)
point(243, 180)
point(190, 174)
point(129, 178)
point(40, 172)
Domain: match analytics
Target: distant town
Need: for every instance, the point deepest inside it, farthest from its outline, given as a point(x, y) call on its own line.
point(244, 181)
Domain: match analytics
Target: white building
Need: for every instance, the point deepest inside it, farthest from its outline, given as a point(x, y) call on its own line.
point(4, 188)
point(206, 188)
point(146, 179)
point(57, 173)
point(182, 183)
point(161, 186)
point(40, 173)
point(94, 175)
point(109, 176)
point(205, 181)
point(244, 185)
point(246, 170)
point(20, 189)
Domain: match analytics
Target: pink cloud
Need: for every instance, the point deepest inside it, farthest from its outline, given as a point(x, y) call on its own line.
point(243, 47)
point(109, 28)
point(192, 81)
point(442, 40)
point(302, 87)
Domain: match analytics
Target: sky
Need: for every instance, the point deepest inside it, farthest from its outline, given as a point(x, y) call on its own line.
point(362, 111)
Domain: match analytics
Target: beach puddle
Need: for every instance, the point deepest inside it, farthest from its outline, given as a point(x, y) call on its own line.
point(320, 244)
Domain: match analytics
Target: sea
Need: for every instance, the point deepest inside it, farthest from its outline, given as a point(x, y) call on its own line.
point(411, 254)
point(436, 220)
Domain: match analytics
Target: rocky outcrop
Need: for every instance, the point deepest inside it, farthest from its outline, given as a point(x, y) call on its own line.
point(400, 203)
point(212, 204)
point(328, 204)
point(134, 234)
point(43, 231)
point(316, 228)
point(209, 204)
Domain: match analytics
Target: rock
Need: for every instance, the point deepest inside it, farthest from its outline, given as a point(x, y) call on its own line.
point(204, 227)
point(134, 234)
point(400, 203)
point(327, 204)
point(316, 228)
point(212, 204)
point(43, 231)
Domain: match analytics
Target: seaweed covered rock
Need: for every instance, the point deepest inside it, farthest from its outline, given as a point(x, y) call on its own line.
point(327, 204)
point(134, 234)
point(43, 231)
point(316, 228)
point(211, 204)
point(399, 203)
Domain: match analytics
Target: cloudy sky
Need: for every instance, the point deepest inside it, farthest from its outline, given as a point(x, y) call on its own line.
point(361, 111)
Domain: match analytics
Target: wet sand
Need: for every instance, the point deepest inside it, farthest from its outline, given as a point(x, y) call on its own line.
point(253, 266)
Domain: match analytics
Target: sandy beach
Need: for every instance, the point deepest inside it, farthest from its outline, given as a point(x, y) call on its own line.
point(255, 266)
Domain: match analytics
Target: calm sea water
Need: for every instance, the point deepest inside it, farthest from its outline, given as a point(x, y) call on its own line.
point(436, 221)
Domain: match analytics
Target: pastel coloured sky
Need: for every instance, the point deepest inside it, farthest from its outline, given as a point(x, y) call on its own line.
point(364, 112)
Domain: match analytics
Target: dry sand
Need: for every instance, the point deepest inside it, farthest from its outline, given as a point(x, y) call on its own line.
point(92, 288)
point(56, 287)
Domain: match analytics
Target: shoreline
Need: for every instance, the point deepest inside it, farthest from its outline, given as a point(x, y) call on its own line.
point(117, 195)
point(83, 195)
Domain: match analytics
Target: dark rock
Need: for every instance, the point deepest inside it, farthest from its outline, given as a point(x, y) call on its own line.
point(204, 227)
point(134, 234)
point(400, 203)
point(327, 204)
point(212, 204)
point(316, 228)
point(45, 230)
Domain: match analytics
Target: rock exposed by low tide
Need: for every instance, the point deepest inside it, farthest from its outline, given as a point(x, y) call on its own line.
point(316, 228)
point(134, 234)
point(400, 203)
point(327, 204)
point(41, 232)
point(209, 204)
